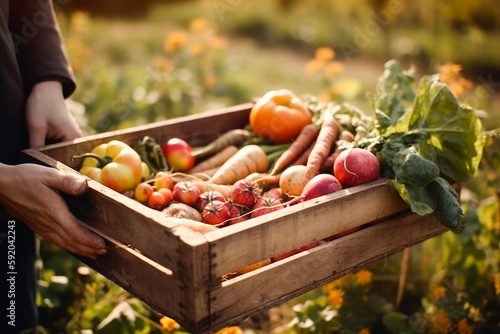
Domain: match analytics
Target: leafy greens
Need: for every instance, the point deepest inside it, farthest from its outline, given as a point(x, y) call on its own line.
point(424, 139)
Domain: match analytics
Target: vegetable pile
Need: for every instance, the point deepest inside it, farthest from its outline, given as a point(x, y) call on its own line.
point(295, 149)
point(424, 139)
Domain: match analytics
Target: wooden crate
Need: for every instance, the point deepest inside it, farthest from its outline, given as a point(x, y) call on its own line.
point(179, 272)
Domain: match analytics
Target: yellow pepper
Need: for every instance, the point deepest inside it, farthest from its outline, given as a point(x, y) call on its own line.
point(114, 164)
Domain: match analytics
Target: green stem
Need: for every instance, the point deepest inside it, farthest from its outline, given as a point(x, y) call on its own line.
point(101, 161)
point(270, 149)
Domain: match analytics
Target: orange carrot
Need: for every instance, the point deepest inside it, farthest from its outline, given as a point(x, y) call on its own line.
point(326, 139)
point(306, 136)
point(327, 165)
point(249, 159)
point(216, 160)
point(302, 159)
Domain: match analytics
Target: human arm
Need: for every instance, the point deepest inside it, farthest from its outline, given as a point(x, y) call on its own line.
point(47, 118)
point(32, 193)
point(39, 45)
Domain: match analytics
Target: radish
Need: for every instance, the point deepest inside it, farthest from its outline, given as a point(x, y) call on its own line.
point(321, 184)
point(356, 166)
point(275, 193)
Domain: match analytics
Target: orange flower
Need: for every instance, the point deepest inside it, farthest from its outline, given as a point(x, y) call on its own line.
point(175, 41)
point(449, 73)
point(162, 63)
point(333, 68)
point(79, 22)
point(209, 82)
point(218, 43)
point(438, 292)
point(335, 90)
point(195, 49)
point(496, 279)
point(169, 324)
point(198, 25)
point(325, 53)
point(230, 330)
point(464, 327)
point(315, 65)
point(336, 298)
point(364, 277)
point(364, 331)
point(440, 322)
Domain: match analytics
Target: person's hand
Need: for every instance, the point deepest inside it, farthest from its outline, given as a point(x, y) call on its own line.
point(47, 117)
point(32, 193)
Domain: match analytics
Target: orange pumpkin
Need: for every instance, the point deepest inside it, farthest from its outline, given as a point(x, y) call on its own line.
point(278, 116)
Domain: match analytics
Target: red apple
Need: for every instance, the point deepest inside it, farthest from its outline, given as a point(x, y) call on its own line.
point(178, 155)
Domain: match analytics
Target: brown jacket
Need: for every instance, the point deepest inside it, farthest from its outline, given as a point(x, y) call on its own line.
point(31, 51)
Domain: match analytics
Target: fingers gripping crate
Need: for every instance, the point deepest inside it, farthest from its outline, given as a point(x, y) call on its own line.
point(187, 275)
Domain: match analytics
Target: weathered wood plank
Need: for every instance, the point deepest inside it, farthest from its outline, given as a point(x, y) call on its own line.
point(157, 286)
point(191, 128)
point(194, 265)
point(236, 299)
point(239, 245)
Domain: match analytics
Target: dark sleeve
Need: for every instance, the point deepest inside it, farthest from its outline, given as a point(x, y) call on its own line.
point(39, 45)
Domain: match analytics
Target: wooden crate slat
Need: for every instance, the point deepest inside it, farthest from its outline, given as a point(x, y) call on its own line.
point(194, 265)
point(236, 299)
point(300, 224)
point(155, 285)
point(191, 128)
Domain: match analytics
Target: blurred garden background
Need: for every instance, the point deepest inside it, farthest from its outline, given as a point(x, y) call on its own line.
point(138, 62)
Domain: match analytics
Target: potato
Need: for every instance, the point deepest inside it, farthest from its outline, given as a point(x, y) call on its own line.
point(181, 210)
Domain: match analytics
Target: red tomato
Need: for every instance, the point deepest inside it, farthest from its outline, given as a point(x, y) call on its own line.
point(266, 205)
point(186, 193)
point(245, 192)
point(216, 213)
point(207, 197)
point(156, 201)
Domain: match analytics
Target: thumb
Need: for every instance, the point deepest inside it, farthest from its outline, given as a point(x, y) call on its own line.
point(69, 184)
